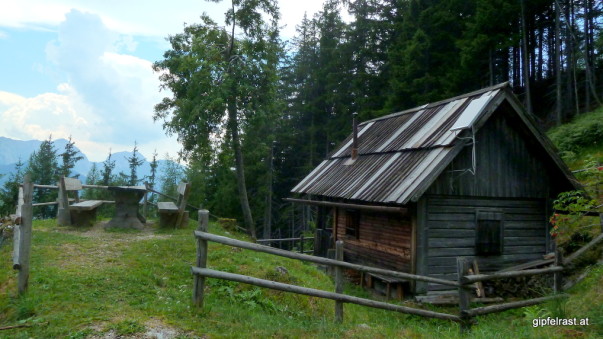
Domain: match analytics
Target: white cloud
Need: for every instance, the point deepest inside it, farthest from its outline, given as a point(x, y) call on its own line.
point(36, 118)
point(120, 88)
point(140, 17)
point(108, 99)
point(64, 115)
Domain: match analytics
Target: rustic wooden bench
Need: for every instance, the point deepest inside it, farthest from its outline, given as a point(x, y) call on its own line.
point(175, 214)
point(81, 213)
point(389, 281)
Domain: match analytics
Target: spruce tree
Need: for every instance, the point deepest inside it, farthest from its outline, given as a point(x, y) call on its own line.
point(44, 170)
point(107, 171)
point(69, 157)
point(134, 162)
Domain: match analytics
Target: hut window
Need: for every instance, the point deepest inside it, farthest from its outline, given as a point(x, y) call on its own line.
point(352, 223)
point(489, 233)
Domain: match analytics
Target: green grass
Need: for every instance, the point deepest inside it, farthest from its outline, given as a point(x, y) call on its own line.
point(583, 132)
point(90, 283)
point(87, 283)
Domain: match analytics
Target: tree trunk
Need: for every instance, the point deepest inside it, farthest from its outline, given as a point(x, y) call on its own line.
point(268, 211)
point(233, 124)
point(525, 60)
point(491, 66)
point(540, 53)
point(586, 56)
point(239, 167)
point(559, 103)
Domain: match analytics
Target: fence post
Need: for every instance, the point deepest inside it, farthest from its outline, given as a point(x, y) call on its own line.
point(339, 281)
point(557, 277)
point(199, 281)
point(63, 213)
point(145, 201)
point(25, 235)
point(301, 243)
point(462, 268)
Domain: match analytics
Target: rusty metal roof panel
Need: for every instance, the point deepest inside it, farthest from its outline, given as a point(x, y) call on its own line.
point(375, 177)
point(420, 128)
point(396, 152)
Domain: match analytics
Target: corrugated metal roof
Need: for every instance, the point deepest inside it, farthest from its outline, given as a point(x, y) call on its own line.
point(398, 152)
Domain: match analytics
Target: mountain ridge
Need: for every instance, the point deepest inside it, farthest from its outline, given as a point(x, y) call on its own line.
point(11, 151)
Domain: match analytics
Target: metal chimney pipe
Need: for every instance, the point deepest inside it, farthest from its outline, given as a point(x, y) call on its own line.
point(355, 133)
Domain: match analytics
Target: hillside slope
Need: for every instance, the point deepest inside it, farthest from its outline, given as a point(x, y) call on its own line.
point(90, 283)
point(97, 284)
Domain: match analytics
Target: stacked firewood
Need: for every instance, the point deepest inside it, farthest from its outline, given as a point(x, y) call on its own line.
point(520, 287)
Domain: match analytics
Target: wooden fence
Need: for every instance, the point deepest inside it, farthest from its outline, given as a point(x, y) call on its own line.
point(299, 240)
point(465, 283)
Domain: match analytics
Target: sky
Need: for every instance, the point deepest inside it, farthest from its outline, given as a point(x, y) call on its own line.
point(83, 68)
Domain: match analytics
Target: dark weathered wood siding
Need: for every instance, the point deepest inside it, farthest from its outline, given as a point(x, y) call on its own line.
point(384, 240)
point(513, 176)
point(509, 163)
point(451, 232)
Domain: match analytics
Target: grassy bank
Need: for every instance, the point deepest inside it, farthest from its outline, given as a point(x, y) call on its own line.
point(97, 284)
point(91, 283)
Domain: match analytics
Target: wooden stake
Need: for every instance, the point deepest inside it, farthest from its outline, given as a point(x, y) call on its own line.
point(462, 268)
point(198, 280)
point(479, 286)
point(25, 236)
point(339, 281)
point(16, 247)
point(557, 277)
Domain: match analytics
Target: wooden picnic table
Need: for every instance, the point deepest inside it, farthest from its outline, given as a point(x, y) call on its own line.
point(126, 207)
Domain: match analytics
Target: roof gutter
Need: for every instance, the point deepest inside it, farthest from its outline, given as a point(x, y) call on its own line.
point(377, 208)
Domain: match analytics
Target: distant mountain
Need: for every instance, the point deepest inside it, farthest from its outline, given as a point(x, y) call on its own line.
point(13, 150)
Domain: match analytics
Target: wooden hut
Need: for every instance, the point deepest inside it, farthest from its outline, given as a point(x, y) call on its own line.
point(470, 176)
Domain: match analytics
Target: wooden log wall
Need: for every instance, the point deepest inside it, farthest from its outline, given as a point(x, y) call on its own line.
point(451, 230)
point(384, 239)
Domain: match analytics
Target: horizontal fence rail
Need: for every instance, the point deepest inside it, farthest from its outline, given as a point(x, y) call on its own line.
point(319, 260)
point(585, 248)
point(510, 274)
point(284, 239)
point(321, 294)
point(465, 283)
point(516, 304)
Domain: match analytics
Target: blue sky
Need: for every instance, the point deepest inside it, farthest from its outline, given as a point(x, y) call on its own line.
point(83, 68)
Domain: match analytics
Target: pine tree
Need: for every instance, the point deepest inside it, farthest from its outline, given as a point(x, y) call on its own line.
point(69, 157)
point(134, 162)
point(10, 190)
point(154, 166)
point(93, 178)
point(107, 171)
point(44, 170)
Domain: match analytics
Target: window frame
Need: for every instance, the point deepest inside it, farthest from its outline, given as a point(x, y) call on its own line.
point(488, 216)
point(352, 223)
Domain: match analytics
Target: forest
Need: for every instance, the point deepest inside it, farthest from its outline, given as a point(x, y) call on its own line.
point(255, 113)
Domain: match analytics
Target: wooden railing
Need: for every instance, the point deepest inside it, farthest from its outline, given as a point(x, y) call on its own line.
point(465, 282)
point(200, 272)
point(299, 240)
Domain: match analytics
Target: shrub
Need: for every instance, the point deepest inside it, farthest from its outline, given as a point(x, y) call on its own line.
point(584, 131)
